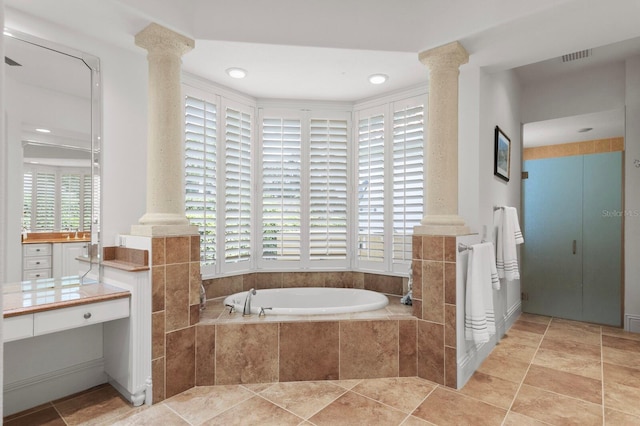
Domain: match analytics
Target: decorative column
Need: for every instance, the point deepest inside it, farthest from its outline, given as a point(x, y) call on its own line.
point(165, 157)
point(441, 191)
point(173, 243)
point(434, 260)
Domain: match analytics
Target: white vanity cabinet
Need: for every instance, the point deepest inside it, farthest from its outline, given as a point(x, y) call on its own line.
point(52, 321)
point(36, 261)
point(65, 263)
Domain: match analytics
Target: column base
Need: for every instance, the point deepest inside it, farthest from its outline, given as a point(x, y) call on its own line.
point(163, 219)
point(163, 230)
point(441, 225)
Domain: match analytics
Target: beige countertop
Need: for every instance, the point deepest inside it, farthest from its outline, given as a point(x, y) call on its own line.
point(56, 237)
point(28, 297)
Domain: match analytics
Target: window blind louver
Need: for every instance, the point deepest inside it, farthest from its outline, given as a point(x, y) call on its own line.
point(281, 186)
point(237, 186)
point(86, 203)
point(200, 173)
point(408, 178)
point(45, 202)
point(328, 189)
point(371, 188)
point(70, 199)
point(27, 200)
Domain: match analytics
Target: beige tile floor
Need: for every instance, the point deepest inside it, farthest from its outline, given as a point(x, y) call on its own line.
point(544, 371)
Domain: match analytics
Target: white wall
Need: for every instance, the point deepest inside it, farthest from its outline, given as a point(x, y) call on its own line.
point(602, 88)
point(596, 89)
point(486, 100)
point(632, 196)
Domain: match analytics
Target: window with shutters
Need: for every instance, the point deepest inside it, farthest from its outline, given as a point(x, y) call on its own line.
point(238, 183)
point(281, 188)
point(309, 190)
point(304, 188)
point(27, 201)
point(56, 199)
point(328, 189)
point(390, 183)
point(371, 169)
point(200, 175)
point(408, 175)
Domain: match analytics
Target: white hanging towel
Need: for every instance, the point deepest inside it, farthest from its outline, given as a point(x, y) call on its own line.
point(482, 279)
point(509, 235)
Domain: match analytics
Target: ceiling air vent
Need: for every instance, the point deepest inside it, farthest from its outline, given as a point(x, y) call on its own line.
point(11, 62)
point(583, 54)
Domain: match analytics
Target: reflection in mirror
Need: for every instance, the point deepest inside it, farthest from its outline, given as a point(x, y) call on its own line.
point(53, 106)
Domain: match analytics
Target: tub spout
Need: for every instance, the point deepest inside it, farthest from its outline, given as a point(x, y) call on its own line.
point(247, 303)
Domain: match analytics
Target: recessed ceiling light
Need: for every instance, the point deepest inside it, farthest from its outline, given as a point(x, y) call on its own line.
point(236, 72)
point(42, 130)
point(378, 78)
point(585, 129)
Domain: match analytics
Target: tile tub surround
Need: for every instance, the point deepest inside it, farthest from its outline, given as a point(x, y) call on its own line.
point(232, 349)
point(434, 305)
point(218, 287)
point(175, 277)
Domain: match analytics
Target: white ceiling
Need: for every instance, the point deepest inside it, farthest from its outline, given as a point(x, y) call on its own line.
point(325, 49)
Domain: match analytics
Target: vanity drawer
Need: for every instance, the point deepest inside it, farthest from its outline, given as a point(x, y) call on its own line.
point(78, 316)
point(34, 274)
point(36, 249)
point(37, 262)
point(15, 328)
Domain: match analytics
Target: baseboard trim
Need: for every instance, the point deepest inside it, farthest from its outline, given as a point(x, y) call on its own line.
point(632, 323)
point(475, 355)
point(33, 391)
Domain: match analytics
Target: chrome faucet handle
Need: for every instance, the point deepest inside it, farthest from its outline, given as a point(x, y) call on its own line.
point(232, 308)
point(262, 311)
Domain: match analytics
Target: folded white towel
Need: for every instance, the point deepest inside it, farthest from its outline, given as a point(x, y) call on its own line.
point(509, 235)
point(482, 278)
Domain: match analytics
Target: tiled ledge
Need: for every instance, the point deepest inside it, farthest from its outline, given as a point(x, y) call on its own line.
point(217, 313)
point(128, 259)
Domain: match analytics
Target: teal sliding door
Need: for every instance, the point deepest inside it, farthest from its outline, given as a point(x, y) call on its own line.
point(572, 224)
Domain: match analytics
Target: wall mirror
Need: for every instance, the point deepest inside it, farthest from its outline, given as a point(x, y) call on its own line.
point(53, 111)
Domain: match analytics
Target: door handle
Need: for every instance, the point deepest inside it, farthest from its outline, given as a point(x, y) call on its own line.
point(575, 246)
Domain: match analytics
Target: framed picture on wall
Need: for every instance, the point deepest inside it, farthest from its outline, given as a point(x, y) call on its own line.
point(502, 155)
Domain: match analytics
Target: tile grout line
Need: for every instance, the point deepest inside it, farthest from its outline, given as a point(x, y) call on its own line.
point(526, 372)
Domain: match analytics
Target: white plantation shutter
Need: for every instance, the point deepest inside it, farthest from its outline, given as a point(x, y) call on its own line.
point(328, 189)
point(27, 200)
point(200, 173)
point(70, 201)
point(44, 205)
point(281, 186)
point(86, 203)
point(371, 188)
point(408, 177)
point(237, 151)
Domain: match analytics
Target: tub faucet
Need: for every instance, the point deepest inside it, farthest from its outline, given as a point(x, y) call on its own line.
point(247, 303)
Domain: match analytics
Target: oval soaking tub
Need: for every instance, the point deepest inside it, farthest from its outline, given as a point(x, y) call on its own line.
point(309, 300)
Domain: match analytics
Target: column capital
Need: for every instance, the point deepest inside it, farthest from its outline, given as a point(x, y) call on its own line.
point(450, 55)
point(158, 39)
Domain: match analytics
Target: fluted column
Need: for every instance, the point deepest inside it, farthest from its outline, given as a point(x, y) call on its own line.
point(165, 156)
point(441, 167)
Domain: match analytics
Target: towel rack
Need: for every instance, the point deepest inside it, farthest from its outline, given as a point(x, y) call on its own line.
point(464, 247)
point(498, 208)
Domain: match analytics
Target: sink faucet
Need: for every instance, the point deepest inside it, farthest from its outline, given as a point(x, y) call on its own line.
point(247, 303)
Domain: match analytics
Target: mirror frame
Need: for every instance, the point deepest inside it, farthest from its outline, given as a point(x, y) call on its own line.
point(93, 64)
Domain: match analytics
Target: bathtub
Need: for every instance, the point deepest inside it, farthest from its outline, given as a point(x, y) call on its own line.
point(310, 300)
